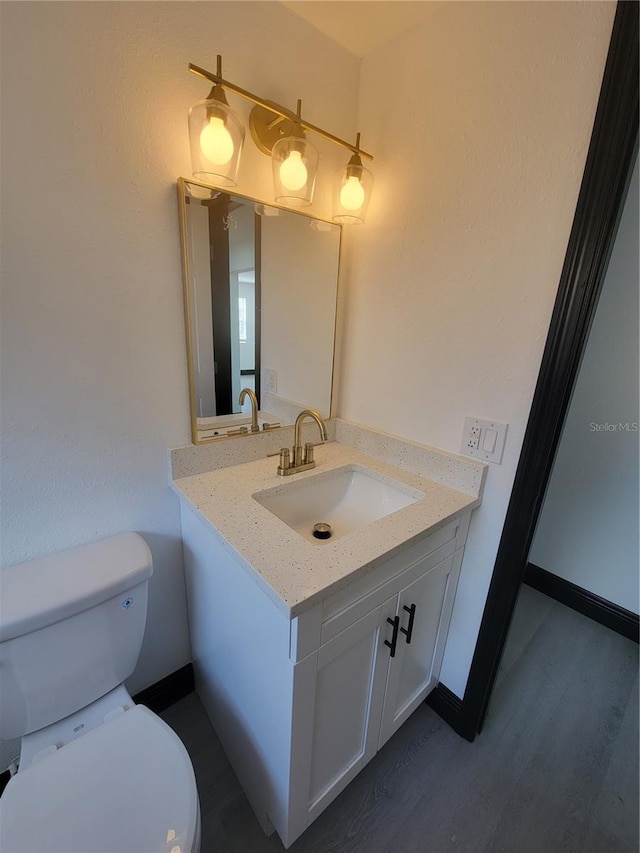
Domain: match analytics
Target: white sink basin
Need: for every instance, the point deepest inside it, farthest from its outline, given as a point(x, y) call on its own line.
point(346, 498)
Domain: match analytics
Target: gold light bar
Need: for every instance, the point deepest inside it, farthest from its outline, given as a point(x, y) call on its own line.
point(277, 109)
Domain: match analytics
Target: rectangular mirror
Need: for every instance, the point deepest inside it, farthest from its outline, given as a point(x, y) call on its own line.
point(260, 288)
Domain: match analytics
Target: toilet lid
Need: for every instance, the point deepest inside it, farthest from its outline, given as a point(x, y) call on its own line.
point(127, 786)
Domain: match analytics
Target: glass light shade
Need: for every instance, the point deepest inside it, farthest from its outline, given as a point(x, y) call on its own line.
point(295, 166)
point(216, 135)
point(351, 193)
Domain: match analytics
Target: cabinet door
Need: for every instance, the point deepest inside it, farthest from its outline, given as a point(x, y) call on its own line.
point(415, 668)
point(347, 708)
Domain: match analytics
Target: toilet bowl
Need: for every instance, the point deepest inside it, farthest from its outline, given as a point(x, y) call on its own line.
point(103, 776)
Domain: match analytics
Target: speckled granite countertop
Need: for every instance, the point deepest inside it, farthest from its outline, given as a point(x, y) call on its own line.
point(295, 573)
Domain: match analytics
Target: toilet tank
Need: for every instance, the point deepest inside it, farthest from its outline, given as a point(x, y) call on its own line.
point(71, 627)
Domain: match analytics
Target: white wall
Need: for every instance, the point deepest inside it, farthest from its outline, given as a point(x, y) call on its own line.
point(94, 381)
point(247, 291)
point(588, 529)
point(480, 120)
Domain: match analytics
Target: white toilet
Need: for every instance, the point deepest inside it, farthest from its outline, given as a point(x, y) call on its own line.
point(97, 773)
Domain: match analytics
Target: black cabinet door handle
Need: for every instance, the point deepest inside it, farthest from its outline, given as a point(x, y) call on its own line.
point(408, 631)
point(394, 639)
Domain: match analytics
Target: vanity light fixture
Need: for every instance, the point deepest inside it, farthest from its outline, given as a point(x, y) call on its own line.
point(280, 133)
point(216, 136)
point(352, 190)
point(295, 166)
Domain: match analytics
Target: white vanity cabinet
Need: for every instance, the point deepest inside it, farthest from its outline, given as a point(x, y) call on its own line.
point(302, 704)
point(379, 657)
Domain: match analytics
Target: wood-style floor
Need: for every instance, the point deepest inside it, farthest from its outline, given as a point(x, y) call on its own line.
point(555, 769)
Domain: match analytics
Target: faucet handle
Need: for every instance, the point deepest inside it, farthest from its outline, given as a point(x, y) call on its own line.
point(284, 459)
point(283, 453)
point(308, 452)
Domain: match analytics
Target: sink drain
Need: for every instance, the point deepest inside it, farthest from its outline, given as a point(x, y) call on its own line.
point(322, 530)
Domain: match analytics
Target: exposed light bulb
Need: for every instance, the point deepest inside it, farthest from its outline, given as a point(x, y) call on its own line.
point(293, 172)
point(352, 193)
point(216, 142)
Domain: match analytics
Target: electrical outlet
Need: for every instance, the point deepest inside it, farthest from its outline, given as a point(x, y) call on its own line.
point(472, 437)
point(484, 439)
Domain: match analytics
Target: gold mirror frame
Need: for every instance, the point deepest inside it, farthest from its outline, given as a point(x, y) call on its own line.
point(188, 313)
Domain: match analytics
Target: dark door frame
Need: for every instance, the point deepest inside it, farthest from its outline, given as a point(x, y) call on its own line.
point(607, 172)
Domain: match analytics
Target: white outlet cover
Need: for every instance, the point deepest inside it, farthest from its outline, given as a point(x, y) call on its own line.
point(484, 439)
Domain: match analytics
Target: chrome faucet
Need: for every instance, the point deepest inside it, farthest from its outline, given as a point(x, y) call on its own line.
point(247, 392)
point(302, 460)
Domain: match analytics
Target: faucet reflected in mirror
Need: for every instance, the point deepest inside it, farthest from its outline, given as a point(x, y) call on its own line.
point(260, 290)
point(247, 392)
point(255, 422)
point(299, 459)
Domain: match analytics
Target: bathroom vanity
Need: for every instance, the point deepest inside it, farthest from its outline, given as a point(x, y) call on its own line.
point(309, 654)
